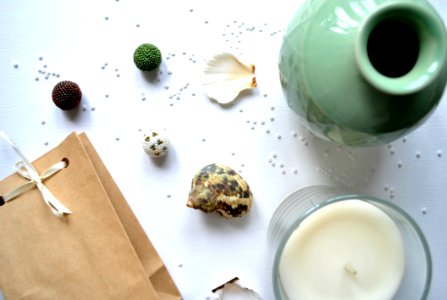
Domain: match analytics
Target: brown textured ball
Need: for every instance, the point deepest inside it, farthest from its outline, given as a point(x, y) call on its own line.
point(66, 95)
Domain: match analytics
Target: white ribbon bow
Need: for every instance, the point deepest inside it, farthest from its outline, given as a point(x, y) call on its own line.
point(27, 170)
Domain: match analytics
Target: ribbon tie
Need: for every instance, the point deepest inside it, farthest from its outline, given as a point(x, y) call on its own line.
point(27, 170)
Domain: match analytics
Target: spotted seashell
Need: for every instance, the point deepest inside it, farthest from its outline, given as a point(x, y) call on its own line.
point(155, 144)
point(218, 188)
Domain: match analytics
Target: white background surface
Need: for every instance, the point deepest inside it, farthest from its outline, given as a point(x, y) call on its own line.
point(92, 43)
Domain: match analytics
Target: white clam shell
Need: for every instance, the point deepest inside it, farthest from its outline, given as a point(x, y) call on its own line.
point(225, 77)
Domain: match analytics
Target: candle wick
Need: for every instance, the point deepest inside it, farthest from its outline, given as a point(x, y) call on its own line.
point(350, 269)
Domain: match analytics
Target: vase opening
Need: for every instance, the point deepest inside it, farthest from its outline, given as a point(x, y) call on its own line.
point(400, 48)
point(393, 47)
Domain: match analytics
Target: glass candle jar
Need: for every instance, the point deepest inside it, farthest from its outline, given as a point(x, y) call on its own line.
point(329, 243)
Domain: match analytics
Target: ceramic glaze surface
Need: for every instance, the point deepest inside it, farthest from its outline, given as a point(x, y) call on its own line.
point(328, 77)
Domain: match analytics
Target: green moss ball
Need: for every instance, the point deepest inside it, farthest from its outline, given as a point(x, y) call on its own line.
point(147, 57)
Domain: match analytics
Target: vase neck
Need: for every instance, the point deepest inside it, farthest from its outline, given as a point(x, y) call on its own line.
point(400, 47)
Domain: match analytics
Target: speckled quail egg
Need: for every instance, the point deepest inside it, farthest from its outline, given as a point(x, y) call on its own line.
point(155, 144)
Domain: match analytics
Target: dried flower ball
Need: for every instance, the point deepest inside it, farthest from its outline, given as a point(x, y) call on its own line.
point(147, 57)
point(155, 144)
point(66, 95)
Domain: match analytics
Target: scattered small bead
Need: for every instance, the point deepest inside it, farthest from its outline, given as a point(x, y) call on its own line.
point(278, 136)
point(281, 165)
point(46, 143)
point(168, 196)
point(439, 153)
point(418, 154)
point(295, 171)
point(117, 139)
point(399, 164)
point(424, 210)
point(283, 172)
point(43, 122)
point(16, 66)
point(294, 133)
point(272, 119)
point(267, 131)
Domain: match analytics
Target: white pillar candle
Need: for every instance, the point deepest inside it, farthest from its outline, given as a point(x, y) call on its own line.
point(345, 250)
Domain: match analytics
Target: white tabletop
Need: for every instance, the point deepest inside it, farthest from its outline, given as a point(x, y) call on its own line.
point(92, 43)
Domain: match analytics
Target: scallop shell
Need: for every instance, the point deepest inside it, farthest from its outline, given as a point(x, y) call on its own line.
point(225, 77)
point(218, 188)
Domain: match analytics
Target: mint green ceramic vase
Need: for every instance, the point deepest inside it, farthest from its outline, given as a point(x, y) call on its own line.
point(364, 72)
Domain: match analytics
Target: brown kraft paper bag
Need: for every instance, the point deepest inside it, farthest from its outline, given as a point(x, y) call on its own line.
point(100, 251)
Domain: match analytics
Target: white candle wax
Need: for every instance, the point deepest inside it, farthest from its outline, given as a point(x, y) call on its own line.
point(345, 250)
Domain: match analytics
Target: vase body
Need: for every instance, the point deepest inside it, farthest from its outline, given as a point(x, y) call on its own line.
point(364, 72)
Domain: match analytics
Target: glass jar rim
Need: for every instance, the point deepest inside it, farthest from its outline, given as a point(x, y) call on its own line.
point(352, 196)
